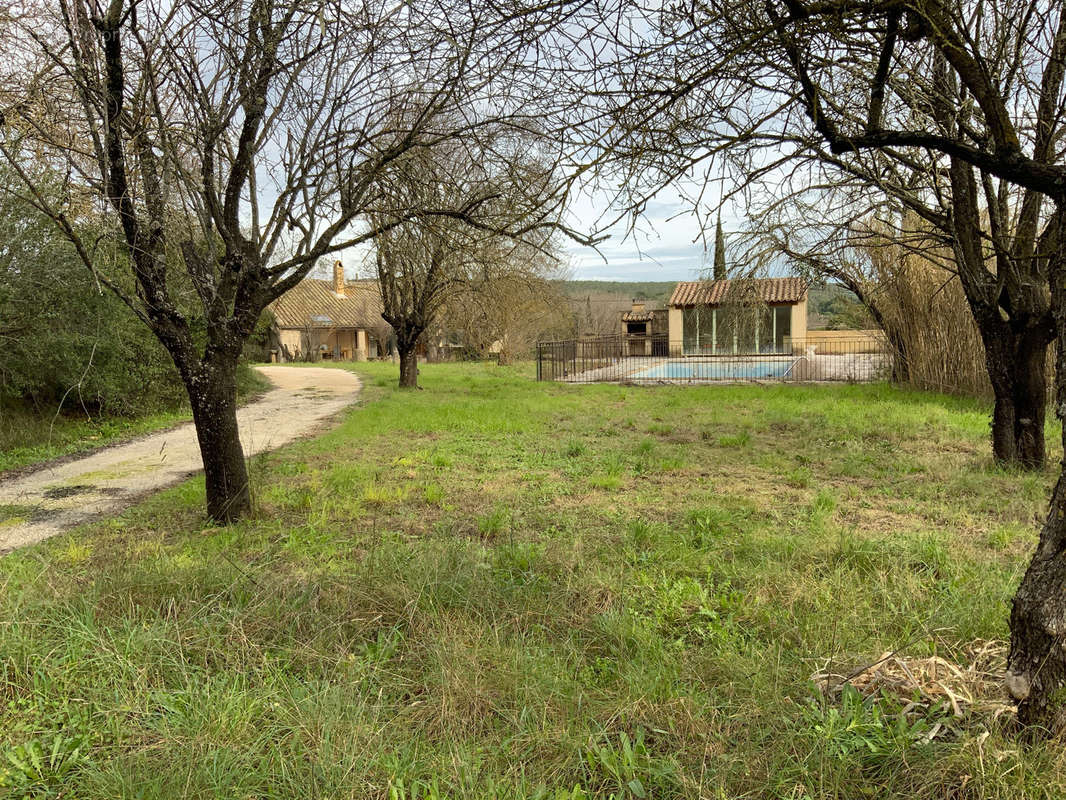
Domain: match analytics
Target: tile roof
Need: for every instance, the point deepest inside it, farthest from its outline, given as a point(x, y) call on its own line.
point(638, 316)
point(313, 302)
point(714, 293)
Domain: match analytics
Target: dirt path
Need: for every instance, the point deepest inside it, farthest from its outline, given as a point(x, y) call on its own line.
point(43, 503)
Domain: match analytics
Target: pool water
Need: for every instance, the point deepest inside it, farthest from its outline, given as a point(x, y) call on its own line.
point(715, 370)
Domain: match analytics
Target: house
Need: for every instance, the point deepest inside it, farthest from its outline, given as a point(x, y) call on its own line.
point(338, 320)
point(639, 325)
point(728, 317)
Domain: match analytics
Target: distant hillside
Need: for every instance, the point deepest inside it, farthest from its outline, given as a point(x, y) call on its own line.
point(658, 291)
point(831, 306)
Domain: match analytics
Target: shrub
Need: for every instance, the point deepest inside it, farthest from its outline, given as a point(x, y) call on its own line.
point(67, 340)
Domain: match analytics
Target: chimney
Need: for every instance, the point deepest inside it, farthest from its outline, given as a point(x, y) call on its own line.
point(638, 304)
point(338, 279)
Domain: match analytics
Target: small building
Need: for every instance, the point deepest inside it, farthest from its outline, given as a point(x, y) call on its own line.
point(642, 329)
point(335, 320)
point(739, 316)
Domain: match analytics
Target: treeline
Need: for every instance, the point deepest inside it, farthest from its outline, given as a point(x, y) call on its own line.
point(833, 307)
point(652, 291)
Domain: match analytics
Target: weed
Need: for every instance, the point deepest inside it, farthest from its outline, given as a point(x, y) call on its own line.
point(384, 495)
point(705, 525)
point(627, 769)
point(494, 523)
point(800, 477)
point(742, 439)
point(867, 730)
point(433, 494)
point(574, 448)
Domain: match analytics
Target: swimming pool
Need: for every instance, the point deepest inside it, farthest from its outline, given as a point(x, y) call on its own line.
point(715, 370)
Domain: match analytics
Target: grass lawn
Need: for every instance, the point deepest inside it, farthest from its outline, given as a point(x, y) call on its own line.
point(27, 437)
point(495, 588)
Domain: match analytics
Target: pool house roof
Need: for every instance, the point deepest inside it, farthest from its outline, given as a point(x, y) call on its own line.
point(773, 291)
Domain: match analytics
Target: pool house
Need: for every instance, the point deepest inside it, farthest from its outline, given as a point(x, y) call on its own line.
point(738, 317)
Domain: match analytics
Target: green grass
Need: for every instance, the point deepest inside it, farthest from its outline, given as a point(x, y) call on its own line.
point(30, 437)
point(495, 588)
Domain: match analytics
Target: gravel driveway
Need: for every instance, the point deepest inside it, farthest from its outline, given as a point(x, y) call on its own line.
point(47, 501)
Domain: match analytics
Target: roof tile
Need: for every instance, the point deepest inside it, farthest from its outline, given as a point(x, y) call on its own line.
point(313, 303)
point(714, 293)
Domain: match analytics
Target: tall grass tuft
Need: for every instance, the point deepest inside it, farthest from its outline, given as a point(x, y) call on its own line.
point(926, 315)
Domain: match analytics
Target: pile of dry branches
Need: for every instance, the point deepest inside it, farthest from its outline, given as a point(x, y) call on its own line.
point(923, 684)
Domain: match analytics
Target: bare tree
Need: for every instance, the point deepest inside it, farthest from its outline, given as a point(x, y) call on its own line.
point(786, 97)
point(978, 121)
point(511, 301)
point(231, 145)
point(872, 203)
point(498, 197)
point(905, 277)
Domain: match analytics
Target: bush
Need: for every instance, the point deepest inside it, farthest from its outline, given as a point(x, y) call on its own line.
point(65, 340)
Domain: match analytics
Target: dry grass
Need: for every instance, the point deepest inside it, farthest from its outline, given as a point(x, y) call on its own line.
point(926, 685)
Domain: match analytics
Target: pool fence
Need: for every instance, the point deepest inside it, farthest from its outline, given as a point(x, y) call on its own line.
point(621, 358)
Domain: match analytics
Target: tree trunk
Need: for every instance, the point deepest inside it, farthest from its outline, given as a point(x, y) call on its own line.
point(901, 372)
point(1017, 364)
point(998, 348)
point(1036, 666)
point(1030, 399)
point(408, 367)
point(213, 394)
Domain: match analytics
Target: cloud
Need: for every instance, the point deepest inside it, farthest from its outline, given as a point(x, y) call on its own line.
point(668, 243)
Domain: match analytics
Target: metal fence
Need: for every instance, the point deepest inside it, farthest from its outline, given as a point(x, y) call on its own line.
point(652, 359)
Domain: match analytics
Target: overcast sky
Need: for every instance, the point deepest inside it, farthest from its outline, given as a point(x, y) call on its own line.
point(665, 246)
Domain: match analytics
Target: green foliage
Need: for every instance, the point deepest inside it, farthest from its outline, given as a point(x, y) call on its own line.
point(494, 523)
point(707, 524)
point(78, 369)
point(257, 346)
point(67, 340)
point(415, 790)
point(847, 314)
point(627, 769)
point(46, 748)
point(741, 439)
point(29, 436)
point(575, 448)
point(40, 768)
point(838, 309)
point(870, 732)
